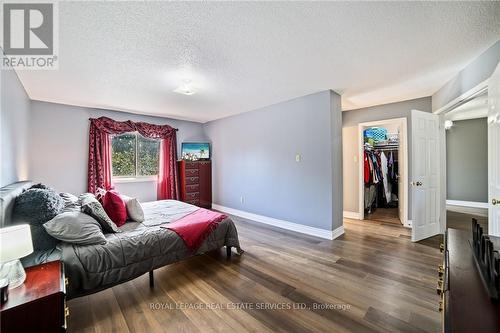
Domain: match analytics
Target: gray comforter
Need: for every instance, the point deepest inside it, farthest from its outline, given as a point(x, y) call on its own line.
point(138, 249)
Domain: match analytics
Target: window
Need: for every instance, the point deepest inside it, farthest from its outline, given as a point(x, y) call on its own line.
point(134, 155)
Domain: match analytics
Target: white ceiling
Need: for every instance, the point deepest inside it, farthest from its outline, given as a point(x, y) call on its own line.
point(245, 55)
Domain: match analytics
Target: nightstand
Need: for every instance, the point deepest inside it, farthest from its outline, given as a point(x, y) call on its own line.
point(38, 305)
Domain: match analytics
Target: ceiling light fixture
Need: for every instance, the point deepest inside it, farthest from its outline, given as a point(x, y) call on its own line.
point(185, 88)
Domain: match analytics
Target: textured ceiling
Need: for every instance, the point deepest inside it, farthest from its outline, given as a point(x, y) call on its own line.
point(244, 55)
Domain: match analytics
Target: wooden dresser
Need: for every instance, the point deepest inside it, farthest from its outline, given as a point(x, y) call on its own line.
point(196, 182)
point(465, 303)
point(38, 305)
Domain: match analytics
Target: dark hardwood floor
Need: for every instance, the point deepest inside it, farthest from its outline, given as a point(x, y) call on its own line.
point(462, 221)
point(386, 215)
point(456, 220)
point(372, 279)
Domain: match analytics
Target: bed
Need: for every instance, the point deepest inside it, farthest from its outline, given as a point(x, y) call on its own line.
point(138, 249)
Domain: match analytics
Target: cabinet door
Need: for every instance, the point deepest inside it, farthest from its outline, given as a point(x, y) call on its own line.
point(205, 175)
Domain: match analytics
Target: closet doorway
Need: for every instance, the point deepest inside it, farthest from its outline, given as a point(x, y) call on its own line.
point(383, 171)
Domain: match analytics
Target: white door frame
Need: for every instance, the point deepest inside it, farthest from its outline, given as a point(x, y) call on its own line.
point(450, 106)
point(403, 146)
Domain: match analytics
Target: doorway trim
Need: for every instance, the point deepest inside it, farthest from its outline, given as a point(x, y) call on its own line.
point(464, 97)
point(403, 145)
point(468, 95)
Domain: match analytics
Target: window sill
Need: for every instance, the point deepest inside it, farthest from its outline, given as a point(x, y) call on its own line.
point(119, 180)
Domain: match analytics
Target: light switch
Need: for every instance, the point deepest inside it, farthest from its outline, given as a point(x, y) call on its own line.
point(298, 157)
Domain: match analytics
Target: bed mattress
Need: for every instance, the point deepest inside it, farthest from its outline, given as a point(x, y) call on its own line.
point(137, 249)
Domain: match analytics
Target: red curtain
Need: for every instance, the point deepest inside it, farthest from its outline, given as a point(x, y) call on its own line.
point(99, 169)
point(168, 169)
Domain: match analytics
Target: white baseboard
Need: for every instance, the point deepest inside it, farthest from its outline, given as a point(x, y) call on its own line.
point(472, 204)
point(304, 229)
point(351, 215)
point(468, 207)
point(338, 232)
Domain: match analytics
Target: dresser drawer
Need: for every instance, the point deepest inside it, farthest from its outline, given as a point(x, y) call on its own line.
point(192, 180)
point(192, 195)
point(195, 202)
point(192, 188)
point(191, 165)
point(192, 172)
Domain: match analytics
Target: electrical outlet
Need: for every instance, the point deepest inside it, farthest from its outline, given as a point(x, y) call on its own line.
point(298, 158)
point(242, 199)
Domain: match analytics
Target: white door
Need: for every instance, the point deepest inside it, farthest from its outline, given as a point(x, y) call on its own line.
point(494, 153)
point(425, 180)
point(400, 187)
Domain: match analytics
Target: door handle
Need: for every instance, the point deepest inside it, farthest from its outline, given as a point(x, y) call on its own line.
point(416, 183)
point(419, 183)
point(495, 201)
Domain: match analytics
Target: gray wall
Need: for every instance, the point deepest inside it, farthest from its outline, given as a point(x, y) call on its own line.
point(254, 157)
point(350, 121)
point(467, 160)
point(59, 134)
point(476, 72)
point(14, 122)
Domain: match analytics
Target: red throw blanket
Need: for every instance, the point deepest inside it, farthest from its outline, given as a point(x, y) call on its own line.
point(195, 227)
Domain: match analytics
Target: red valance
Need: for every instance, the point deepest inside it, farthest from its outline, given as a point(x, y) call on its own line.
point(99, 168)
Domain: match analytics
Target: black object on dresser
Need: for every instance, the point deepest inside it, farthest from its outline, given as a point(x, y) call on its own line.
point(466, 303)
point(38, 305)
point(485, 249)
point(196, 182)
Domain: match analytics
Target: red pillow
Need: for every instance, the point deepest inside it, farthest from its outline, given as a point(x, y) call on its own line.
point(115, 207)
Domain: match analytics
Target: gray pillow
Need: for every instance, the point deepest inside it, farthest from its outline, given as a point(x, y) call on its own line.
point(71, 203)
point(76, 228)
point(92, 207)
point(36, 206)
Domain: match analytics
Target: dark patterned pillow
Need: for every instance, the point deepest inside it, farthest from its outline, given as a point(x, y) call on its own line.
point(41, 186)
point(92, 207)
point(36, 206)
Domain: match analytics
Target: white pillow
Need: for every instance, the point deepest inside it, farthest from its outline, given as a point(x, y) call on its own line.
point(134, 208)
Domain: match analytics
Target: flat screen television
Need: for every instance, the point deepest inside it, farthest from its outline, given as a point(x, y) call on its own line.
point(195, 151)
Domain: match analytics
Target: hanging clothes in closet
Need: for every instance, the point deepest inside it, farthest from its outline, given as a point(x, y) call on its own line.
point(392, 173)
point(380, 168)
point(380, 177)
point(387, 184)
